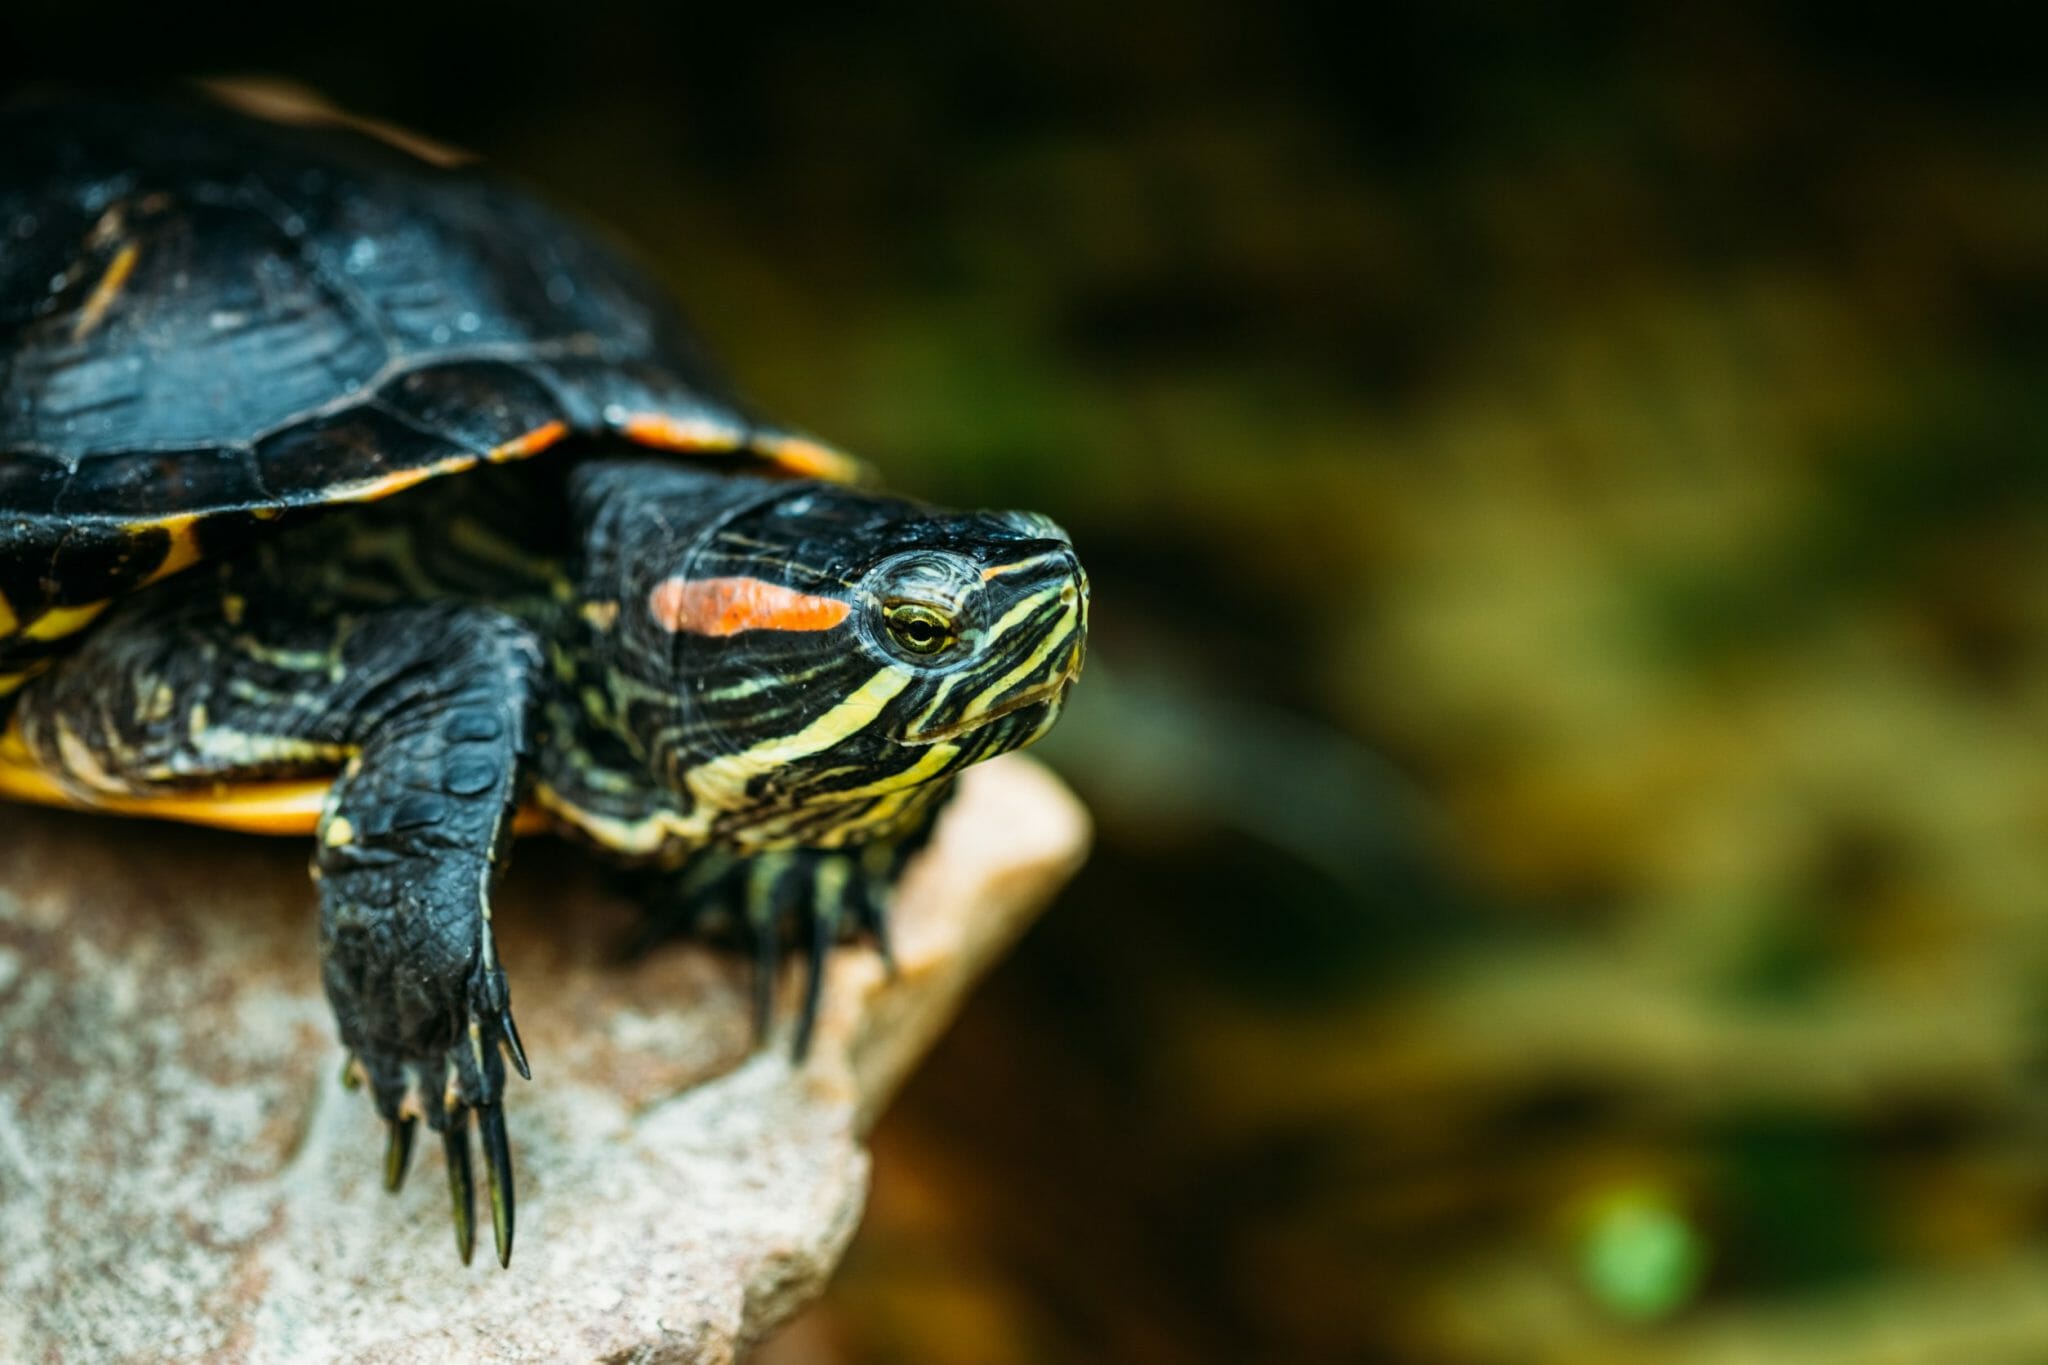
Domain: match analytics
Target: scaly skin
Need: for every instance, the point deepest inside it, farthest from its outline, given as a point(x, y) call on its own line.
point(758, 690)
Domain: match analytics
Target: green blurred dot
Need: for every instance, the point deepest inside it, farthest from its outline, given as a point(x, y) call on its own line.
point(1641, 1257)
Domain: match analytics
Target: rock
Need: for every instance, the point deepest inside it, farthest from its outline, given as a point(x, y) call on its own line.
point(182, 1175)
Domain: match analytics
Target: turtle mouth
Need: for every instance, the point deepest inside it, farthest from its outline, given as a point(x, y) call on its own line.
point(1047, 692)
point(1064, 638)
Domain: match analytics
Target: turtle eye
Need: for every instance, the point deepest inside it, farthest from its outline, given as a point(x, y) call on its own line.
point(918, 628)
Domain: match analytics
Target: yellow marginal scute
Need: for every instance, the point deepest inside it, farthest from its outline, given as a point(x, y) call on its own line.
point(59, 622)
point(386, 485)
point(184, 548)
point(9, 622)
point(798, 455)
point(399, 480)
point(255, 808)
point(273, 807)
point(532, 443)
point(696, 435)
point(814, 459)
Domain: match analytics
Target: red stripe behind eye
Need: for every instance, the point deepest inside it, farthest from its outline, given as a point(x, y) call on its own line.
point(727, 606)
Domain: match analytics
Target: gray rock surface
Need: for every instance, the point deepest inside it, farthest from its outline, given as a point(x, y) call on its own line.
point(182, 1176)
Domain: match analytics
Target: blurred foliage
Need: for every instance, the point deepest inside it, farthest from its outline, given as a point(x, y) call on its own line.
point(1570, 526)
point(1639, 1255)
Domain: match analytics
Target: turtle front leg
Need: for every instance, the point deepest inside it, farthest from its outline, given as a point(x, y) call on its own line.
point(429, 708)
point(407, 851)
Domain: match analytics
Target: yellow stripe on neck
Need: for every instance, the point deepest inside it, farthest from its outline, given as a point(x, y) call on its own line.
point(721, 783)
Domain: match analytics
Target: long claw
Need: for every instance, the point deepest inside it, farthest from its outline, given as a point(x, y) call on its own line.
point(490, 1122)
point(513, 1045)
point(398, 1153)
point(461, 1193)
point(824, 933)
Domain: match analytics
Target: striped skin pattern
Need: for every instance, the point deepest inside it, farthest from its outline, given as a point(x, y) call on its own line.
point(238, 359)
point(821, 735)
point(755, 690)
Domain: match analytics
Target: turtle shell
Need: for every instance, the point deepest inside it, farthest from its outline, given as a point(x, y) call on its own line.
point(210, 319)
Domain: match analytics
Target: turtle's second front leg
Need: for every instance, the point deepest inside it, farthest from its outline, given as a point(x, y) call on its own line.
point(408, 848)
point(814, 898)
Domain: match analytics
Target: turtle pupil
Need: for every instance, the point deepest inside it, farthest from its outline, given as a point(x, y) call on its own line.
point(919, 629)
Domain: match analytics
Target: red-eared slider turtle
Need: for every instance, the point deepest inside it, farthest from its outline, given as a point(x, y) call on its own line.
point(681, 637)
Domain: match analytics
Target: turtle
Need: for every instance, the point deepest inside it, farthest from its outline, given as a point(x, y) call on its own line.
point(349, 491)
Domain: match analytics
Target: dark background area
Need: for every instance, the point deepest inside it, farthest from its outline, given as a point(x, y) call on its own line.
point(1566, 503)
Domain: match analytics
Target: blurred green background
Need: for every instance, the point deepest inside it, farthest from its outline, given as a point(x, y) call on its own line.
point(1569, 521)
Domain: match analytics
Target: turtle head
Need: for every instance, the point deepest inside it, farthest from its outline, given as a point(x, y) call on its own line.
point(828, 652)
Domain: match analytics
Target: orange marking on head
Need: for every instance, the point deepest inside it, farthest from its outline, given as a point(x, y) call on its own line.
point(532, 443)
point(727, 606)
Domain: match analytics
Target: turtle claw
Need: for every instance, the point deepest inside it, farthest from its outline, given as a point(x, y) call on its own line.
point(398, 1152)
point(461, 1191)
point(513, 1047)
point(454, 1085)
point(793, 885)
point(497, 1154)
point(490, 1122)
